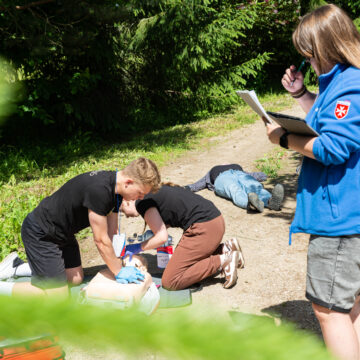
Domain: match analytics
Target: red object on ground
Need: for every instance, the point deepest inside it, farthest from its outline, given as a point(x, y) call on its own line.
point(38, 348)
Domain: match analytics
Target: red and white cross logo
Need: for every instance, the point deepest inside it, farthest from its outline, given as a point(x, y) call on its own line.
point(342, 109)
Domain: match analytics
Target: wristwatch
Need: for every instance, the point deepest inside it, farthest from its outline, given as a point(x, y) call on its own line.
point(284, 140)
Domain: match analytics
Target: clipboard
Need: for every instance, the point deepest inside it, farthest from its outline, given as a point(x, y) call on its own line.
point(290, 123)
point(293, 124)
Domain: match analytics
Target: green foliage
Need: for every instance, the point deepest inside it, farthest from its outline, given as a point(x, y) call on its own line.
point(276, 20)
point(65, 55)
point(270, 164)
point(351, 7)
point(119, 67)
point(202, 55)
point(9, 90)
point(125, 67)
point(175, 335)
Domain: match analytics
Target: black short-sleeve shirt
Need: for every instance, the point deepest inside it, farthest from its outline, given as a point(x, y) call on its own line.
point(217, 170)
point(178, 207)
point(65, 212)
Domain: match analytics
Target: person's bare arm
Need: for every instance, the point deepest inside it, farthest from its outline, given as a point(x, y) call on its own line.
point(157, 226)
point(307, 101)
point(103, 242)
point(301, 144)
point(112, 224)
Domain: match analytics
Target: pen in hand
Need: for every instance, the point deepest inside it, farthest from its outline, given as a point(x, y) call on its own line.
point(299, 69)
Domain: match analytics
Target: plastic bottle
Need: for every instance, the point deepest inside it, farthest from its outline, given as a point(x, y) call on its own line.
point(119, 242)
point(164, 253)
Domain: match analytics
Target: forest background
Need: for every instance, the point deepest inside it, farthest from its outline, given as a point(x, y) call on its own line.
point(86, 75)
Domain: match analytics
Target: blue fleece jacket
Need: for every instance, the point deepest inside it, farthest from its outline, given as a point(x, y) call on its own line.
point(328, 195)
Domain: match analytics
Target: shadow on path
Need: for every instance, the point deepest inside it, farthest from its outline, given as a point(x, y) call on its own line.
point(298, 312)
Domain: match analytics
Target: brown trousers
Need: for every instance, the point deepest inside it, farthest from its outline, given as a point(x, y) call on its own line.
point(195, 258)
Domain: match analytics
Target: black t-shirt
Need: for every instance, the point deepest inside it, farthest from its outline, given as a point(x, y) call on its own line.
point(217, 170)
point(65, 212)
point(178, 207)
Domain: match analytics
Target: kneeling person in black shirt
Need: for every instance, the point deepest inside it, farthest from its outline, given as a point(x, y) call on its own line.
point(199, 253)
point(48, 233)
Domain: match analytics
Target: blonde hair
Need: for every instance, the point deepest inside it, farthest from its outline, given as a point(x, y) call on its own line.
point(144, 171)
point(329, 36)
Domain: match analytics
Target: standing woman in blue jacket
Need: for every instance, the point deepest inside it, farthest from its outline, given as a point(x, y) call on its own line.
point(328, 195)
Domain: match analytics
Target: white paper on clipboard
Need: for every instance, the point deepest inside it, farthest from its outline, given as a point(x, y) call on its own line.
point(252, 100)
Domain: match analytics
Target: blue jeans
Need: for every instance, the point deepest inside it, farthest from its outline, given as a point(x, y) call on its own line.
point(236, 185)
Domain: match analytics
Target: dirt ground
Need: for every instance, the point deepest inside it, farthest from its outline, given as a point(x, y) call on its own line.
point(273, 280)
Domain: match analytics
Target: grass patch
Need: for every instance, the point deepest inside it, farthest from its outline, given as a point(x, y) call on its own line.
point(30, 173)
point(270, 164)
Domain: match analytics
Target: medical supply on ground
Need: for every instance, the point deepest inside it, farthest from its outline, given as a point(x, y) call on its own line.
point(131, 239)
point(164, 253)
point(44, 347)
point(148, 234)
point(119, 241)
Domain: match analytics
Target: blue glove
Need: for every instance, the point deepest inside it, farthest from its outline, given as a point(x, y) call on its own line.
point(133, 249)
point(129, 274)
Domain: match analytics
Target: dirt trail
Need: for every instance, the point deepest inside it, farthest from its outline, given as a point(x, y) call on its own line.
point(273, 279)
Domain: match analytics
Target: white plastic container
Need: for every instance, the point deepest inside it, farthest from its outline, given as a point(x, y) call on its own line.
point(119, 242)
point(164, 253)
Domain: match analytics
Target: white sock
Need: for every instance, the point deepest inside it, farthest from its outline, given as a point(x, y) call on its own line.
point(6, 288)
point(23, 270)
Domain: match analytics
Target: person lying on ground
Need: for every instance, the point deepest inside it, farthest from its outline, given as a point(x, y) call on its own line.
point(242, 188)
point(199, 253)
point(48, 232)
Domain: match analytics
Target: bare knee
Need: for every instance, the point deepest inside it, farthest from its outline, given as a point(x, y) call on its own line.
point(75, 276)
point(76, 279)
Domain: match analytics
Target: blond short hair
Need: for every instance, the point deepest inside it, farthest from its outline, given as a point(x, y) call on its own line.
point(144, 171)
point(329, 36)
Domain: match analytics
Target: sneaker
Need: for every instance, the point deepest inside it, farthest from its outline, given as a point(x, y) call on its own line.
point(233, 245)
point(8, 265)
point(229, 269)
point(255, 202)
point(277, 198)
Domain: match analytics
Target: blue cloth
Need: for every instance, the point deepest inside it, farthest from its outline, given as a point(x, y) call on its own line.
point(236, 185)
point(329, 187)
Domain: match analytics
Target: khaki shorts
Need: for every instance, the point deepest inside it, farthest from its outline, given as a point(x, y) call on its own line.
point(333, 271)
